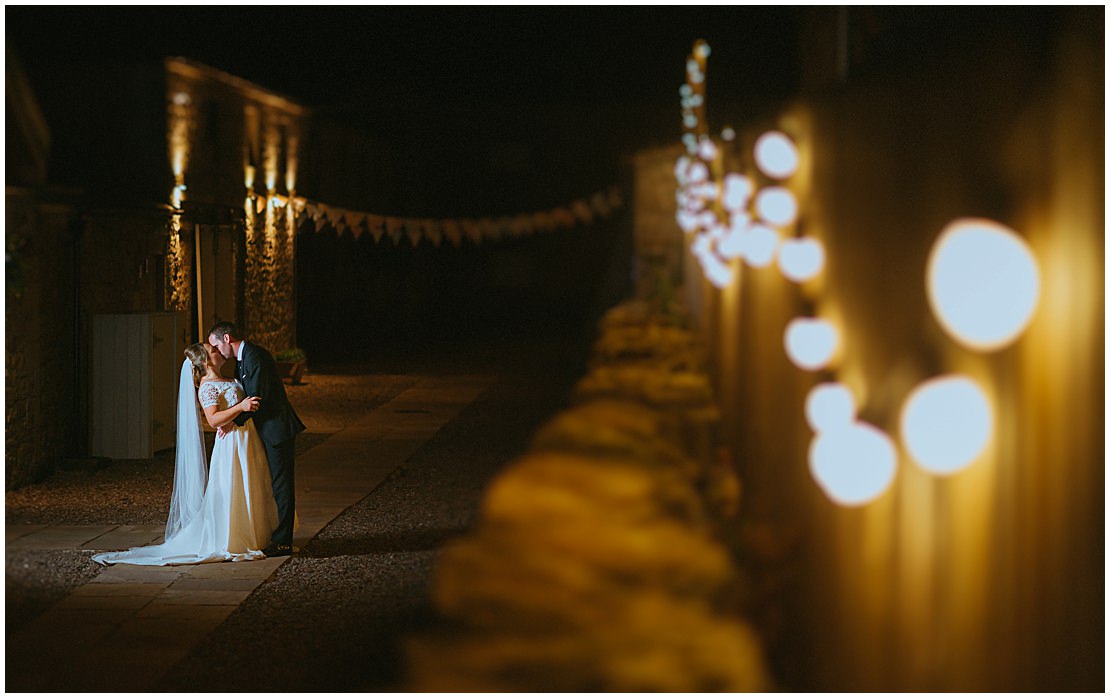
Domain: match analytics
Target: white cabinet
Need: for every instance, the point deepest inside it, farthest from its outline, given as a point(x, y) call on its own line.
point(134, 368)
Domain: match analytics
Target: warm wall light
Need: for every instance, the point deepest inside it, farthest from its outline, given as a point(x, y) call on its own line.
point(801, 259)
point(775, 155)
point(854, 464)
point(983, 283)
point(760, 245)
point(777, 206)
point(946, 423)
point(830, 406)
point(810, 343)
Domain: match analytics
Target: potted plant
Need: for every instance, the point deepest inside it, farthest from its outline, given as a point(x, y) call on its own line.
point(291, 364)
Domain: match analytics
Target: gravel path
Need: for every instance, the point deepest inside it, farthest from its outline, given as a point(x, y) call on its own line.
point(333, 617)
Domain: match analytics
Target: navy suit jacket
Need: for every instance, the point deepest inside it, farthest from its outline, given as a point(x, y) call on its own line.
point(275, 420)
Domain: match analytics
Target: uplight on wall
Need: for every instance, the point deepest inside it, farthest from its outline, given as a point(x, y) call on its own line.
point(775, 155)
point(946, 423)
point(811, 343)
point(830, 406)
point(983, 283)
point(853, 464)
point(777, 206)
point(801, 259)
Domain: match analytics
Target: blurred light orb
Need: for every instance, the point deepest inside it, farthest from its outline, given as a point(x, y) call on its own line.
point(760, 246)
point(681, 166)
point(689, 121)
point(776, 155)
point(830, 406)
point(946, 423)
point(728, 133)
point(738, 189)
point(707, 149)
point(801, 259)
point(776, 206)
point(810, 343)
point(983, 283)
point(718, 273)
point(700, 246)
point(698, 172)
point(685, 90)
point(854, 464)
point(701, 50)
point(182, 99)
point(732, 245)
point(691, 66)
point(687, 221)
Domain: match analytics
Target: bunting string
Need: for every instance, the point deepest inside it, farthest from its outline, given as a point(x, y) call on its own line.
point(599, 206)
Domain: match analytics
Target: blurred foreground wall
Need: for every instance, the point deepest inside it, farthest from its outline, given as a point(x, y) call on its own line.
point(990, 579)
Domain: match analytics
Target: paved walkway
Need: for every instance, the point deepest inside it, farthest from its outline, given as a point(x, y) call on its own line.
point(125, 629)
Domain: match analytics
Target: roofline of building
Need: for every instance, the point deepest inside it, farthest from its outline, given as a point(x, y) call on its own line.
point(188, 68)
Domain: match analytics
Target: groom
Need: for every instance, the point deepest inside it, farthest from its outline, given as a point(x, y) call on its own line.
point(276, 422)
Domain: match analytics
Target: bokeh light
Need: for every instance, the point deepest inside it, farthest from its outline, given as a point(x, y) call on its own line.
point(983, 283)
point(830, 406)
point(738, 190)
point(854, 464)
point(801, 259)
point(811, 343)
point(760, 245)
point(776, 206)
point(775, 155)
point(707, 149)
point(946, 423)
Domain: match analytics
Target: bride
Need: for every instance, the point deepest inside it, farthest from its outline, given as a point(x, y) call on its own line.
point(232, 516)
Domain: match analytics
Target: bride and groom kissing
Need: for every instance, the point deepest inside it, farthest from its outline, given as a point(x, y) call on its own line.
point(242, 505)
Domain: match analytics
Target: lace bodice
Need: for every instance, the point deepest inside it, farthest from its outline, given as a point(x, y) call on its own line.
point(222, 393)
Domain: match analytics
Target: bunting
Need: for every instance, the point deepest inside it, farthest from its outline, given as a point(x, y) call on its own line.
point(452, 231)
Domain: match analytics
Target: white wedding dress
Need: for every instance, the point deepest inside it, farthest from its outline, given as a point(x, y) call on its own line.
point(229, 518)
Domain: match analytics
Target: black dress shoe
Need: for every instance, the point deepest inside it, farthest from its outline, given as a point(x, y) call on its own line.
point(273, 550)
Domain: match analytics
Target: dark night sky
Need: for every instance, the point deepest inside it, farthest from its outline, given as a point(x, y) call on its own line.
point(333, 56)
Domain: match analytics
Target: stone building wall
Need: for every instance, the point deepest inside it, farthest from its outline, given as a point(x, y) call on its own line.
point(39, 353)
point(235, 149)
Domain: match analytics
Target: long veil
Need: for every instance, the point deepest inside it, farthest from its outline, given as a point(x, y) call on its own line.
point(190, 472)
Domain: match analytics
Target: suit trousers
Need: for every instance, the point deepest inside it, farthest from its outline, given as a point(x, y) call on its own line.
point(281, 475)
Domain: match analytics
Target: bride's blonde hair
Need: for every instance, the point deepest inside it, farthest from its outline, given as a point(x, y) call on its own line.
point(198, 354)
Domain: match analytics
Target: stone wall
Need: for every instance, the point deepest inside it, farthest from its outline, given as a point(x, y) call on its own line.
point(235, 148)
point(39, 352)
point(269, 312)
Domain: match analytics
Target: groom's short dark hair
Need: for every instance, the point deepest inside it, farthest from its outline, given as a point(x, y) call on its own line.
point(224, 327)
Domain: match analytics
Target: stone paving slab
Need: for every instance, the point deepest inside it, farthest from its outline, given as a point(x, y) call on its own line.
point(15, 531)
point(128, 627)
point(60, 537)
point(122, 537)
